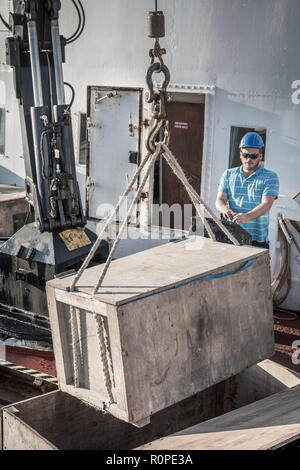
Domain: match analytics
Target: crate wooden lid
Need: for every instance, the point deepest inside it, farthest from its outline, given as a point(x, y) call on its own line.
point(159, 268)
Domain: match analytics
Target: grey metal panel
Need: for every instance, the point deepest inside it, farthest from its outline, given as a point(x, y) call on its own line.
point(111, 112)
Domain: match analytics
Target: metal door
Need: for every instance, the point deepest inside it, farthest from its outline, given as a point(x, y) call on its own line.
point(114, 124)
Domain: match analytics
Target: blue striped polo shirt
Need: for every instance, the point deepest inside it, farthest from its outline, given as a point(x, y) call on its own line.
point(244, 194)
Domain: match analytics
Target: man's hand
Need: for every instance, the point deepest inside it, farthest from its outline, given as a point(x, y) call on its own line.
point(222, 206)
point(263, 208)
point(240, 218)
point(228, 214)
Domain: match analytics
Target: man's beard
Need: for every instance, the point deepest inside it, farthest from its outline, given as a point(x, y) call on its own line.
point(252, 168)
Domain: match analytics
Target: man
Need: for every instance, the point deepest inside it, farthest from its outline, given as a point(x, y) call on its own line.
point(246, 193)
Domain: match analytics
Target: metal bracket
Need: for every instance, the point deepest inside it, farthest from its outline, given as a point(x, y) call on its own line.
point(26, 253)
point(90, 186)
point(23, 276)
point(92, 125)
point(132, 127)
point(99, 98)
point(133, 157)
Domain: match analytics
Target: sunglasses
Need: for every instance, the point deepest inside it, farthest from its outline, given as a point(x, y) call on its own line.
point(253, 156)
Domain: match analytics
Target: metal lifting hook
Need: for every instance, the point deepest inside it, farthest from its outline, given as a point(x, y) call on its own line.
point(156, 29)
point(161, 126)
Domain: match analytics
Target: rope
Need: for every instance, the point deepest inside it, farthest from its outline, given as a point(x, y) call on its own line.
point(153, 157)
point(178, 171)
point(110, 219)
point(196, 195)
point(283, 275)
point(176, 168)
point(74, 332)
point(104, 352)
point(103, 346)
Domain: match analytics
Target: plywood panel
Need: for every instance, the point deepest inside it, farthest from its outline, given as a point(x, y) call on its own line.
point(189, 338)
point(19, 436)
point(267, 424)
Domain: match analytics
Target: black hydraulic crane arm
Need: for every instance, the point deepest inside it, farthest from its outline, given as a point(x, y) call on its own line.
point(36, 52)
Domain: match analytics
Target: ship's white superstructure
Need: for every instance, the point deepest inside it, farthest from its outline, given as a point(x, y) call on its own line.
point(239, 59)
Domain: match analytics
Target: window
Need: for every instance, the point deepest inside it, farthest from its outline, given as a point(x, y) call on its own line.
point(236, 136)
point(82, 139)
point(2, 131)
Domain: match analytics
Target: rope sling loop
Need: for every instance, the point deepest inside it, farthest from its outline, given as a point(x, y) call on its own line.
point(103, 347)
point(161, 149)
point(75, 344)
point(152, 160)
point(100, 327)
point(176, 168)
point(91, 254)
point(104, 356)
point(104, 352)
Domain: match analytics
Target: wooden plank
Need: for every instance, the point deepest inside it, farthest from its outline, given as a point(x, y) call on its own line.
point(266, 424)
point(260, 381)
point(154, 270)
point(117, 360)
point(59, 339)
point(19, 436)
point(80, 300)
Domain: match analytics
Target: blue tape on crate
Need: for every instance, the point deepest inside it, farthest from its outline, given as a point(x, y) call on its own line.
point(203, 278)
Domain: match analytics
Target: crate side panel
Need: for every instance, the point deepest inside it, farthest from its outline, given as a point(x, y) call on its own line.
point(180, 342)
point(17, 435)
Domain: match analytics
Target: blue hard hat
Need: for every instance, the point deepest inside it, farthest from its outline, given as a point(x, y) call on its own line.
point(252, 140)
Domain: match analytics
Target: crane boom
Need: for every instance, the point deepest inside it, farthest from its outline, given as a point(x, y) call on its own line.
point(36, 52)
point(57, 240)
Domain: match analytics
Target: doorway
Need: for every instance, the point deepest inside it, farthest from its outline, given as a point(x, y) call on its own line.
point(186, 125)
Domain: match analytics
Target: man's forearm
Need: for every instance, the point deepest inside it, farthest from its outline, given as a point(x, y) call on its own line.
point(221, 206)
point(258, 211)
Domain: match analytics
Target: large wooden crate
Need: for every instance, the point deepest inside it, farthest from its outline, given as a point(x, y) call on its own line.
point(179, 318)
